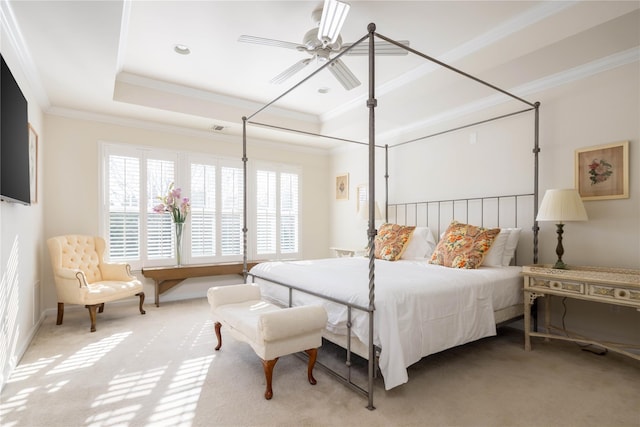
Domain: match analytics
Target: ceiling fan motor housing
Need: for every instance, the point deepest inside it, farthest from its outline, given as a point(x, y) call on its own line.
point(311, 42)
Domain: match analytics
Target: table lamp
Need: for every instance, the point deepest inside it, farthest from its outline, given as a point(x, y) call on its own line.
point(561, 206)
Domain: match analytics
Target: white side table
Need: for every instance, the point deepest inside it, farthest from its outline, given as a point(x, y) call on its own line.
point(616, 286)
point(346, 252)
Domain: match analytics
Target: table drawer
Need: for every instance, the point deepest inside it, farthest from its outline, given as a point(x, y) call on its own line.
point(615, 293)
point(559, 285)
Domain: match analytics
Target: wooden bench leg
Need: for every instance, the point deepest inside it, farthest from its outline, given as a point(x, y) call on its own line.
point(218, 325)
point(141, 295)
point(268, 374)
point(313, 355)
point(92, 315)
point(60, 313)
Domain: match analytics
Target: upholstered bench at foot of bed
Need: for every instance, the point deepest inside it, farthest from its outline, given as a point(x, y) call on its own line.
point(271, 331)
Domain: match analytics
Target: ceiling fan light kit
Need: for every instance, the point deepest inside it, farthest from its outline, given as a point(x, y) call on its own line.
point(334, 14)
point(324, 40)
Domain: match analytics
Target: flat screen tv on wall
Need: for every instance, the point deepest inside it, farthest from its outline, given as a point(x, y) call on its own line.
point(14, 141)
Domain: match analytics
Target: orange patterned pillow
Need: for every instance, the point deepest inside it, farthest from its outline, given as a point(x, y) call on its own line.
point(463, 246)
point(391, 241)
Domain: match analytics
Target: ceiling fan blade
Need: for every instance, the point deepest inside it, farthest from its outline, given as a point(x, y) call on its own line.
point(280, 78)
point(382, 48)
point(343, 74)
point(269, 42)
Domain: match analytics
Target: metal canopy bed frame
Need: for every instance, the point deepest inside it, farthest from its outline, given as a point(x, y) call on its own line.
point(399, 208)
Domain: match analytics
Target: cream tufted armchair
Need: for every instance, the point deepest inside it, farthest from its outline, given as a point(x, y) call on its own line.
point(82, 277)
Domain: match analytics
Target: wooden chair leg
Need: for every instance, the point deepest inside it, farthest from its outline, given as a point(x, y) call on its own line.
point(60, 313)
point(268, 374)
point(92, 315)
point(218, 325)
point(141, 295)
point(313, 355)
point(101, 308)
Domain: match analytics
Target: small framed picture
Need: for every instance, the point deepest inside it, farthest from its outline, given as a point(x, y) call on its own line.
point(33, 163)
point(602, 171)
point(342, 187)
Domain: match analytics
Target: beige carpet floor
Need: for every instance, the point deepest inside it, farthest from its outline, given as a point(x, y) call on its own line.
point(161, 370)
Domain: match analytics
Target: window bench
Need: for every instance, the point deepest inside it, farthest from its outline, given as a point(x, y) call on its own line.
point(166, 278)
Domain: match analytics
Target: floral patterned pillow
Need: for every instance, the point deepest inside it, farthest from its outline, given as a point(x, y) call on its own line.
point(463, 246)
point(391, 241)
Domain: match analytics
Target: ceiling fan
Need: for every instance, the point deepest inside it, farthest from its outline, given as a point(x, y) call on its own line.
point(324, 40)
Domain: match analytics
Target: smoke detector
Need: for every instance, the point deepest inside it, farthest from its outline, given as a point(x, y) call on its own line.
point(217, 128)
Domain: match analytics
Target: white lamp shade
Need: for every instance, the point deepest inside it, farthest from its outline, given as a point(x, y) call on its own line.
point(334, 13)
point(562, 205)
point(363, 213)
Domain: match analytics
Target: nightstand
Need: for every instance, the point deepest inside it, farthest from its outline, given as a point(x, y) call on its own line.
point(344, 252)
point(616, 286)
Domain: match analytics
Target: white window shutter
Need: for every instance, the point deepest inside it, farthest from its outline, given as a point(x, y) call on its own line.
point(288, 213)
point(266, 199)
point(160, 244)
point(203, 210)
point(277, 212)
point(123, 201)
point(232, 189)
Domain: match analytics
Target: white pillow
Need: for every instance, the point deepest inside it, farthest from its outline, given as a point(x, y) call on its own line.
point(494, 257)
point(510, 246)
point(421, 245)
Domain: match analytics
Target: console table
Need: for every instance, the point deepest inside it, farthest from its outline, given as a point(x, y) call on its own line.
point(616, 286)
point(166, 278)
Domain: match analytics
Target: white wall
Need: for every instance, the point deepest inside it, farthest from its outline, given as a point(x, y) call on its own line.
point(600, 109)
point(21, 248)
point(71, 188)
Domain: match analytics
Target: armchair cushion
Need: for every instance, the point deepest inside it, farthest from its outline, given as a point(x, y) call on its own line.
point(106, 291)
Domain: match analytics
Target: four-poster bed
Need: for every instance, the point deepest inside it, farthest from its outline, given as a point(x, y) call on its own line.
point(390, 334)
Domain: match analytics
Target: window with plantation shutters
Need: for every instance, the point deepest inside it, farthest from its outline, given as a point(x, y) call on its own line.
point(123, 207)
point(216, 216)
point(266, 212)
point(203, 210)
point(277, 212)
point(135, 176)
point(133, 179)
point(159, 240)
point(231, 211)
point(289, 213)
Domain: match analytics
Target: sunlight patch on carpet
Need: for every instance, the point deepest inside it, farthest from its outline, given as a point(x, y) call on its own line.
point(178, 405)
point(90, 355)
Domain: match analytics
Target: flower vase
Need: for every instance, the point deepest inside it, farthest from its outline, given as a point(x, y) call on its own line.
point(178, 242)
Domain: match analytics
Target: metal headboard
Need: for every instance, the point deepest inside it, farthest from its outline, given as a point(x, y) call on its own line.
point(515, 210)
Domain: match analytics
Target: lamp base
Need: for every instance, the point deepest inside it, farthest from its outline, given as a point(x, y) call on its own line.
point(560, 265)
point(559, 249)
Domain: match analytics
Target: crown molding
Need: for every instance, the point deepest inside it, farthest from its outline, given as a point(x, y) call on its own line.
point(505, 29)
point(172, 88)
point(179, 130)
point(571, 75)
point(9, 25)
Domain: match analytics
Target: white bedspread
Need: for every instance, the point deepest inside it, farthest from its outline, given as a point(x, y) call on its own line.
point(420, 309)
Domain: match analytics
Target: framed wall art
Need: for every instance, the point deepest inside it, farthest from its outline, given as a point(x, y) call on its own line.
point(602, 171)
point(342, 187)
point(33, 163)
